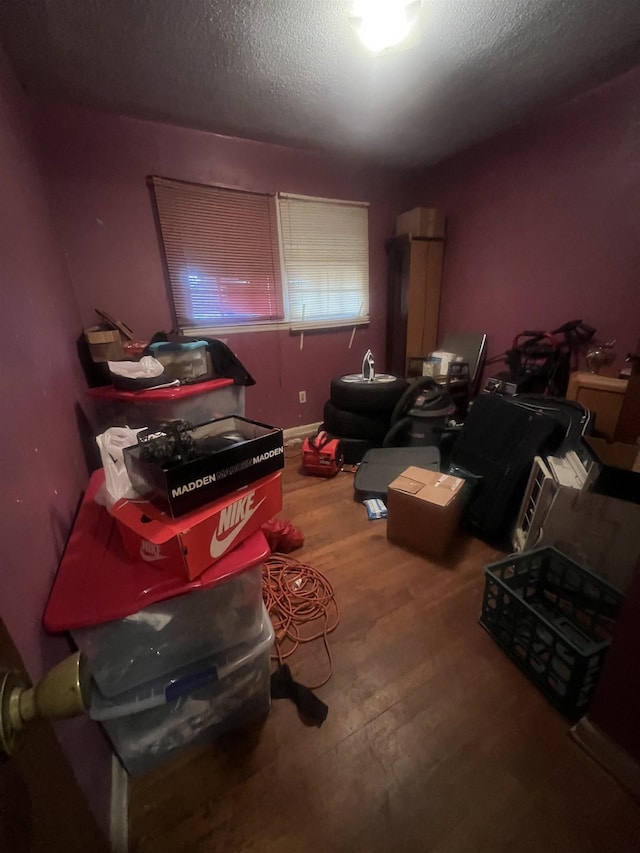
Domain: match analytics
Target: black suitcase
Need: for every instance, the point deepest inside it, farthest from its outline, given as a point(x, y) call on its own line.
point(494, 451)
point(572, 418)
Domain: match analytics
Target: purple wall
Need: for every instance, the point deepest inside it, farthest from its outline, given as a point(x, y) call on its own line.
point(543, 222)
point(41, 460)
point(97, 166)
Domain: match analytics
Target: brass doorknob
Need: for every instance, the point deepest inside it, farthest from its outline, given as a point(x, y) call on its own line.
point(65, 691)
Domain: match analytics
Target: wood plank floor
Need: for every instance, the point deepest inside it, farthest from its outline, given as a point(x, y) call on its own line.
point(434, 741)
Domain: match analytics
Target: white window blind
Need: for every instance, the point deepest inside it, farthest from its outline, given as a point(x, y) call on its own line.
point(222, 254)
point(325, 253)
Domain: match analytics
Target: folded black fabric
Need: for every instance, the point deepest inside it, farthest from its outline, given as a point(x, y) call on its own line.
point(225, 363)
point(312, 711)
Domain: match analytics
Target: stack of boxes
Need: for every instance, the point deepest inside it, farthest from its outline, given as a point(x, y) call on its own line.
point(163, 594)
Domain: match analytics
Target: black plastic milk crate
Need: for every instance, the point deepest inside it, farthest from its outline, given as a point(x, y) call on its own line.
point(553, 618)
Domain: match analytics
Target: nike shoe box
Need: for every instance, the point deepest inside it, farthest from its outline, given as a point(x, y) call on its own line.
point(182, 469)
point(189, 545)
point(134, 623)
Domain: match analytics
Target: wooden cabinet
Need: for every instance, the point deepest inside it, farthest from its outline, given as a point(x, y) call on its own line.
point(602, 395)
point(413, 311)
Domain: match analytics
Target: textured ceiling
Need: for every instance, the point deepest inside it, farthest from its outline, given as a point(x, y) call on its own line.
point(292, 71)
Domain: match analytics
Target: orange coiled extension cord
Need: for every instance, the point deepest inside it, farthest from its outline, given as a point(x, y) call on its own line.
point(302, 606)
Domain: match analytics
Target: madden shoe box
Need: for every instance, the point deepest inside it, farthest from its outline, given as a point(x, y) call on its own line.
point(181, 468)
point(191, 544)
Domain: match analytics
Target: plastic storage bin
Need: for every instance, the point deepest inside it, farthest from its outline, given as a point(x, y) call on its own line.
point(173, 633)
point(150, 724)
point(107, 406)
point(553, 618)
point(186, 361)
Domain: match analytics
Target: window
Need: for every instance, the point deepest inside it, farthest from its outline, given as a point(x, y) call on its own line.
point(221, 249)
point(235, 258)
point(325, 255)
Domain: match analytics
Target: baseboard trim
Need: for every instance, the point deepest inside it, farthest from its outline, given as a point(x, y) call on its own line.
point(297, 433)
point(609, 755)
point(119, 809)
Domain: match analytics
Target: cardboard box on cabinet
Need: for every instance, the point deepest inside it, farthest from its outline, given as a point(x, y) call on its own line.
point(422, 222)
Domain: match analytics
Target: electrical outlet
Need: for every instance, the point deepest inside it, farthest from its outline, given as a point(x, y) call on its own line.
point(302, 396)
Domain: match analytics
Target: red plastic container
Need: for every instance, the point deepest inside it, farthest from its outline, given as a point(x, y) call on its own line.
point(107, 406)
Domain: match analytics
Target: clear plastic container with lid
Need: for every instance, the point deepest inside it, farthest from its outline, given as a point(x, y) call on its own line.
point(150, 724)
point(107, 406)
point(186, 361)
point(171, 634)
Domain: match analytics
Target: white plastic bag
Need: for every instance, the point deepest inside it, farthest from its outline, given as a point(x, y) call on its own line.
point(147, 368)
point(117, 483)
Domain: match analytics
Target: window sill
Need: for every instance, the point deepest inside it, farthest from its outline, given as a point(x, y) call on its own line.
point(247, 328)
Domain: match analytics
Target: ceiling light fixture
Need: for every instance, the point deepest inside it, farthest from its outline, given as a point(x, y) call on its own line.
point(384, 24)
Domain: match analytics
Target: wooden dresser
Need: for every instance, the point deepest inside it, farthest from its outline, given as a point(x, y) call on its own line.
point(602, 395)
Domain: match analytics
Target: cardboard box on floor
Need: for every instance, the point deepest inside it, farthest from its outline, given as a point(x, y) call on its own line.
point(424, 509)
point(601, 527)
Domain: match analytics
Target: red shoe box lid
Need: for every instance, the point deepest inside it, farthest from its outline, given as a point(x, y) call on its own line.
point(97, 580)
